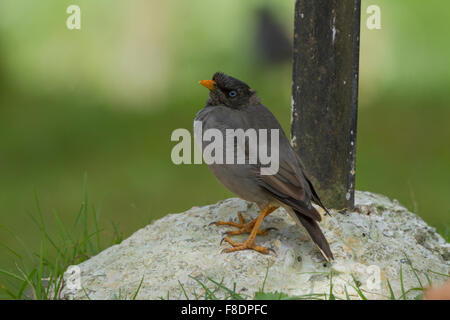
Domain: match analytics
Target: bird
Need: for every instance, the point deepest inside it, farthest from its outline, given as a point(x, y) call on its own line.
point(232, 104)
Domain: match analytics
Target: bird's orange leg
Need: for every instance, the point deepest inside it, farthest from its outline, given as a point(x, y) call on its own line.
point(250, 242)
point(242, 226)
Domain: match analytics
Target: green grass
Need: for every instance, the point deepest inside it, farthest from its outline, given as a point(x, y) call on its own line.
point(40, 275)
point(231, 293)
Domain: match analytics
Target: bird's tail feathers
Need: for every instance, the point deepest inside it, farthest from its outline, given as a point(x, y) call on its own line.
point(316, 235)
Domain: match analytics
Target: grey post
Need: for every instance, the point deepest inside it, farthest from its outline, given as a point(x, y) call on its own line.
point(325, 95)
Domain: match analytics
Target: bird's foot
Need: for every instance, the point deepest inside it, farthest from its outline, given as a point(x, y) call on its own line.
point(248, 244)
point(242, 226)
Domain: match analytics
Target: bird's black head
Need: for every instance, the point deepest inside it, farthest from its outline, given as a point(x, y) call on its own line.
point(229, 91)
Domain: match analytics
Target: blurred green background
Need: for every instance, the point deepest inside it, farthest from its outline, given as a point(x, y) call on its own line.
point(105, 99)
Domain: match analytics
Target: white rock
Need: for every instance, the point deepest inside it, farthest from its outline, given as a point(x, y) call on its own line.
point(370, 244)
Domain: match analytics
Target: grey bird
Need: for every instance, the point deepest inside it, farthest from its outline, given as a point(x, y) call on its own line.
point(232, 104)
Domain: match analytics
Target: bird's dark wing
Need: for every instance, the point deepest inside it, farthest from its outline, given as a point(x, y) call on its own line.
point(291, 188)
point(288, 185)
point(314, 195)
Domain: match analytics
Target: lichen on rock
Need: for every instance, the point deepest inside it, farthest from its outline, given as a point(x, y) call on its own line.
point(371, 245)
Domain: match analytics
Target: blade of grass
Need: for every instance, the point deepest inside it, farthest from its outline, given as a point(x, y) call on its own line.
point(96, 214)
point(61, 228)
point(29, 279)
point(77, 219)
point(332, 297)
point(413, 270)
point(21, 290)
point(357, 288)
point(390, 290)
point(309, 296)
point(89, 298)
point(117, 238)
point(138, 289)
point(430, 283)
point(40, 223)
point(7, 291)
point(22, 243)
point(12, 275)
point(265, 277)
point(12, 251)
point(439, 274)
point(232, 293)
point(40, 270)
point(346, 293)
point(84, 215)
point(402, 286)
point(184, 291)
point(208, 293)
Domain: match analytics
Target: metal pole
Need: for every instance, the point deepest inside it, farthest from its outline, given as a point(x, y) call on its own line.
point(325, 95)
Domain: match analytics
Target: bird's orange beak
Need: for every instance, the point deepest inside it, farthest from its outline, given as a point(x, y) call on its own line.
point(210, 84)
